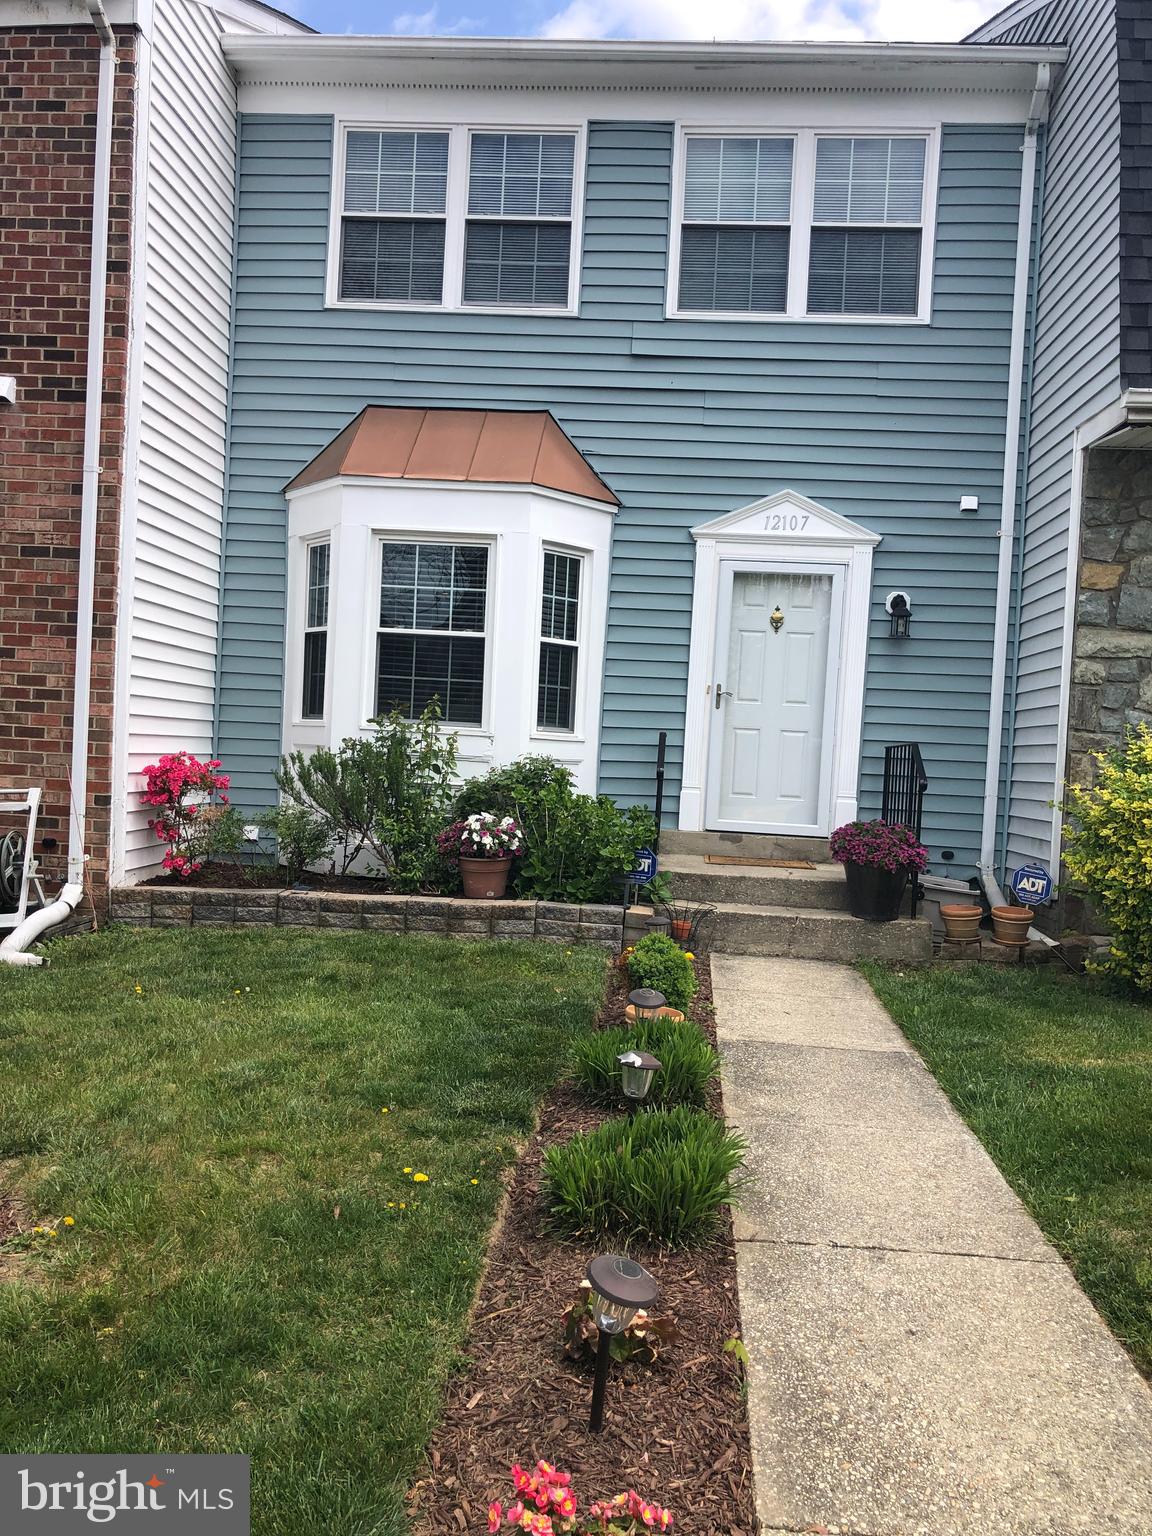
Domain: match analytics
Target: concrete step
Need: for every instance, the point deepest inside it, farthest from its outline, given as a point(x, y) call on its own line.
point(749, 845)
point(742, 929)
point(694, 879)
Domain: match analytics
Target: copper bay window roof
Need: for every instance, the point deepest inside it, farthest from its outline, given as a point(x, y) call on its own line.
point(493, 447)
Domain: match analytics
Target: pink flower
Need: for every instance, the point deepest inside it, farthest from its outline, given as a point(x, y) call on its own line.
point(495, 1515)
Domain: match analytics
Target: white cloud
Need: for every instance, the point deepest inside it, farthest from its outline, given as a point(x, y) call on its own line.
point(784, 20)
point(427, 24)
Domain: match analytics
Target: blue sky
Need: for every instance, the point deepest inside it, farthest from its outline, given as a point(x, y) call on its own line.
point(820, 20)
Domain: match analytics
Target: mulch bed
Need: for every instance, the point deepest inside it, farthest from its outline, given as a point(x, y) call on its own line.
point(268, 877)
point(675, 1430)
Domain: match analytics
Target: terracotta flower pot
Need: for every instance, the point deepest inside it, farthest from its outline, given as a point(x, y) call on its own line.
point(1010, 925)
point(672, 1014)
point(681, 929)
point(961, 920)
point(485, 877)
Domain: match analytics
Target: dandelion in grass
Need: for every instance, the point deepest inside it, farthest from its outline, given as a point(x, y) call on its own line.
point(473, 1181)
point(419, 1178)
point(384, 1109)
point(69, 1221)
point(403, 1206)
point(138, 989)
point(407, 1170)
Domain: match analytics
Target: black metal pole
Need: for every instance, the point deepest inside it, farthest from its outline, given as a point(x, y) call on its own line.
point(600, 1382)
point(661, 749)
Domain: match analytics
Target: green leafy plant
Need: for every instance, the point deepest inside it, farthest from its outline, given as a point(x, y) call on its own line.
point(578, 847)
point(642, 1340)
point(303, 838)
point(658, 962)
point(688, 1063)
point(663, 1175)
point(385, 794)
point(1108, 848)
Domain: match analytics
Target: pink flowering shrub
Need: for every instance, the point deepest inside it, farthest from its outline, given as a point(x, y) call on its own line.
point(482, 836)
point(187, 795)
point(547, 1506)
point(881, 844)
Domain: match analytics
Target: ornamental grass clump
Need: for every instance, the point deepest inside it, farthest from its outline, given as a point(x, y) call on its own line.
point(688, 1064)
point(879, 845)
point(661, 1176)
point(1108, 847)
point(658, 962)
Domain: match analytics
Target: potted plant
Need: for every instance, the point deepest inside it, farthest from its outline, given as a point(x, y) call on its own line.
point(484, 846)
point(878, 859)
point(961, 920)
point(1010, 925)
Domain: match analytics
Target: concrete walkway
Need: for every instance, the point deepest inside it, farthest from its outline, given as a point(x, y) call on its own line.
point(922, 1362)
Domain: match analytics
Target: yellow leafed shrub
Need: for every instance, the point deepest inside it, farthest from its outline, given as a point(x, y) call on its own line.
point(1108, 849)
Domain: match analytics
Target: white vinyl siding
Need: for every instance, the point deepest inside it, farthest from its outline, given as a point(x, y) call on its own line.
point(173, 584)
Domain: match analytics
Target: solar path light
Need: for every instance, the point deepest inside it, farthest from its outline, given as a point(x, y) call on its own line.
point(620, 1289)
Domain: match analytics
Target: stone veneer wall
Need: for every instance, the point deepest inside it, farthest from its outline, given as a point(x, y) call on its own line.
point(1112, 660)
point(150, 906)
point(1111, 686)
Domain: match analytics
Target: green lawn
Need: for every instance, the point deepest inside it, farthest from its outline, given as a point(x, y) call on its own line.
point(1055, 1077)
point(250, 1268)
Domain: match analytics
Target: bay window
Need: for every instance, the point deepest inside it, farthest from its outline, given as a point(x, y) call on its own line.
point(316, 631)
point(559, 642)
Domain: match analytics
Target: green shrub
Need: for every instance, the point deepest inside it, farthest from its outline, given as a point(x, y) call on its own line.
point(688, 1063)
point(663, 1175)
point(303, 838)
point(577, 846)
point(659, 962)
point(1108, 848)
point(386, 794)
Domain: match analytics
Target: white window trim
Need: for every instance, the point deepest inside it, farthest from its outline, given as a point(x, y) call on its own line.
point(307, 629)
point(579, 645)
point(484, 725)
point(803, 198)
point(298, 628)
point(455, 215)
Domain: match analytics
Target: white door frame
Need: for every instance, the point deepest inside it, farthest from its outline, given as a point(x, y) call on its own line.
point(783, 530)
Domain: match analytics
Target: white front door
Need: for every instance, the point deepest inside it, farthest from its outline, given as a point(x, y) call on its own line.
point(776, 664)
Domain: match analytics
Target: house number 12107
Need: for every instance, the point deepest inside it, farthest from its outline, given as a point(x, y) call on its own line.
point(786, 522)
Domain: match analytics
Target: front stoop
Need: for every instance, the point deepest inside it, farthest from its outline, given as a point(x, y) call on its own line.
point(815, 935)
point(800, 913)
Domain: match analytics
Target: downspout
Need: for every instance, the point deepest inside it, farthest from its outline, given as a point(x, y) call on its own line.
point(1037, 114)
point(93, 423)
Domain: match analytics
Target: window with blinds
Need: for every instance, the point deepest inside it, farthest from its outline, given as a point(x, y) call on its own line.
point(432, 632)
point(559, 643)
point(867, 211)
point(518, 231)
point(392, 232)
point(735, 234)
point(316, 631)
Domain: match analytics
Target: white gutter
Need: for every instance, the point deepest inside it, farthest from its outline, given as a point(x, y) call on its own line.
point(93, 421)
point(1007, 530)
point(12, 950)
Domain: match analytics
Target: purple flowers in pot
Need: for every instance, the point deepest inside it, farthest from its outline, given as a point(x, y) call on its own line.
point(880, 845)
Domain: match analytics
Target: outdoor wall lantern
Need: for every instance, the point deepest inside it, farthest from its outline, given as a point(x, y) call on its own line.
point(620, 1289)
point(646, 1003)
point(637, 1070)
point(898, 607)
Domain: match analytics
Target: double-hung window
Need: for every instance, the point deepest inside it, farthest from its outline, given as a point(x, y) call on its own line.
point(867, 207)
point(433, 624)
point(559, 642)
point(458, 218)
point(317, 573)
point(735, 235)
point(394, 216)
point(803, 225)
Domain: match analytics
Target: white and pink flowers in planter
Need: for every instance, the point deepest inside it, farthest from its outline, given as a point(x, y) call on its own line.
point(484, 846)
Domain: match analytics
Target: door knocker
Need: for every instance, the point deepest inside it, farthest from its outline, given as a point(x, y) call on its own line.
point(776, 619)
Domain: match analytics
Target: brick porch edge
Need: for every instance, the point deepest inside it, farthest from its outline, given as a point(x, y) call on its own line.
point(150, 906)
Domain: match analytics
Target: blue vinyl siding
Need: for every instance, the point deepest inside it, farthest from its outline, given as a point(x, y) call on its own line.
point(685, 419)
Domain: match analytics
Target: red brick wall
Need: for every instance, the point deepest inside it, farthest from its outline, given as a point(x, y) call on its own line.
point(48, 90)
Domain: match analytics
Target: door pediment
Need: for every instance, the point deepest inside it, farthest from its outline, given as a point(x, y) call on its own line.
point(786, 516)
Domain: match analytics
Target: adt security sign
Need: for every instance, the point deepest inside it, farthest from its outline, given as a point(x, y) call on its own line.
point(1032, 885)
point(645, 868)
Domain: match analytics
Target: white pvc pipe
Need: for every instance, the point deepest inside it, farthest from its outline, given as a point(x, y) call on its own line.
point(12, 950)
point(1007, 531)
point(93, 422)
